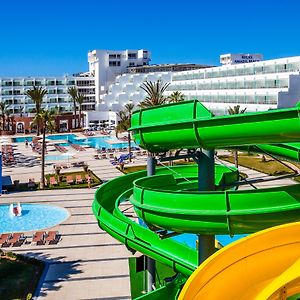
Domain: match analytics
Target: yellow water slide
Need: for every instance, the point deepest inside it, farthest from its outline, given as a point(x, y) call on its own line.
point(265, 265)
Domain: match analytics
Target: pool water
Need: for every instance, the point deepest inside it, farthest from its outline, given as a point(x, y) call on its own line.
point(100, 142)
point(34, 217)
point(22, 139)
point(95, 142)
point(65, 156)
point(64, 144)
point(190, 239)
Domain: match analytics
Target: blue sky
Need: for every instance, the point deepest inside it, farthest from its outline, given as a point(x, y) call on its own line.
point(53, 37)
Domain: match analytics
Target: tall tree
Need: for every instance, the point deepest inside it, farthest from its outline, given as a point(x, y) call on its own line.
point(176, 96)
point(46, 119)
point(74, 94)
point(235, 111)
point(3, 109)
point(155, 93)
point(36, 94)
point(124, 124)
point(80, 100)
point(7, 117)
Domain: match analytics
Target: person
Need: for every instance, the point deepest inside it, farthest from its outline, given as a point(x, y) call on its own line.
point(88, 180)
point(16, 210)
point(26, 143)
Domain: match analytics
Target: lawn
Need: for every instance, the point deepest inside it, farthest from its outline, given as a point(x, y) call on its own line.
point(270, 166)
point(62, 180)
point(19, 276)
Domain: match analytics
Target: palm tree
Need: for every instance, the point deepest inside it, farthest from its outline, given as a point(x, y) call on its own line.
point(124, 124)
point(176, 96)
point(36, 94)
point(74, 94)
point(80, 100)
point(46, 119)
point(154, 92)
point(12, 121)
point(3, 109)
point(7, 115)
point(235, 111)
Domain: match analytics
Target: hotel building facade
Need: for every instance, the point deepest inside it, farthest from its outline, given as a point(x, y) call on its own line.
point(258, 85)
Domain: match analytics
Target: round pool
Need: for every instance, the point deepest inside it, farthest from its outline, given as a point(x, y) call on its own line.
point(34, 217)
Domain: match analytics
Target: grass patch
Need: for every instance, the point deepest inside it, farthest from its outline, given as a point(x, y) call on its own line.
point(270, 166)
point(132, 169)
point(62, 180)
point(19, 276)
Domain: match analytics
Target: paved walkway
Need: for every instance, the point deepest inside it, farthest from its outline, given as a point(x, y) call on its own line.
point(87, 263)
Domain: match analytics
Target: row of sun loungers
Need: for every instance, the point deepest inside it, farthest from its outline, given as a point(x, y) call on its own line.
point(41, 237)
point(18, 238)
point(77, 147)
point(36, 146)
point(104, 156)
point(8, 154)
point(88, 133)
point(78, 164)
point(112, 155)
point(60, 148)
point(78, 179)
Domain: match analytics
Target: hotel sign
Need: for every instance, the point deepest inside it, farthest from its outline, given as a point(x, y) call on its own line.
point(245, 58)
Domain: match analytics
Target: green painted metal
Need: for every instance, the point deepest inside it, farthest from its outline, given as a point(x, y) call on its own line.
point(170, 200)
point(165, 204)
point(190, 125)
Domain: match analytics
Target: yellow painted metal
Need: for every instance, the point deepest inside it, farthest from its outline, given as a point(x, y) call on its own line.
point(265, 265)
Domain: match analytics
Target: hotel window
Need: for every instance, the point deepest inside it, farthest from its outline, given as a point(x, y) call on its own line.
point(114, 63)
point(131, 64)
point(131, 55)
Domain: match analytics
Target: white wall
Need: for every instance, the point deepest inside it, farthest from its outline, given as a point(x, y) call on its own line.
point(292, 96)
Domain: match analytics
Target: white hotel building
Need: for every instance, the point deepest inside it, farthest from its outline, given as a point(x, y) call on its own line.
point(257, 85)
point(13, 92)
point(114, 79)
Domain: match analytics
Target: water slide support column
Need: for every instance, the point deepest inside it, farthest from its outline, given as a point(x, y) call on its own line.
point(151, 164)
point(206, 182)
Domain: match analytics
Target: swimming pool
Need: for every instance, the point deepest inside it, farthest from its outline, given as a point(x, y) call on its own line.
point(101, 142)
point(98, 142)
point(22, 139)
point(65, 156)
point(34, 217)
point(189, 239)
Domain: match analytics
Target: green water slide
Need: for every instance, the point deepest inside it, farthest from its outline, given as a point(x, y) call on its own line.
point(190, 125)
point(169, 199)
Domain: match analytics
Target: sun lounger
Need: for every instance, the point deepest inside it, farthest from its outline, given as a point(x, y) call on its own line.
point(17, 239)
point(88, 176)
point(69, 179)
point(4, 239)
point(79, 179)
point(53, 181)
point(38, 237)
point(52, 237)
